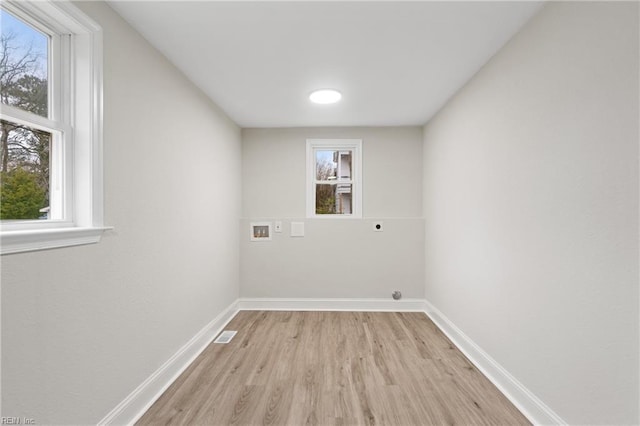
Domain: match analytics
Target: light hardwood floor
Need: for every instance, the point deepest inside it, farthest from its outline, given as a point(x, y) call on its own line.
point(332, 368)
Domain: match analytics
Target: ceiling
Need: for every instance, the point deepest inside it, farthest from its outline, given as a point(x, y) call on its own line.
point(396, 63)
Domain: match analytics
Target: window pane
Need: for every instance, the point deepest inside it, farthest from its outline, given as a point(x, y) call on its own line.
point(333, 165)
point(24, 173)
point(23, 65)
point(334, 199)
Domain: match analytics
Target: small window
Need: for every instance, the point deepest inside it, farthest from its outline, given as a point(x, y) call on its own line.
point(334, 178)
point(50, 126)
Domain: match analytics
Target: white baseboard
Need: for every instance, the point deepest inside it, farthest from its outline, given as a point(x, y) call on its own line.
point(373, 305)
point(535, 410)
point(141, 399)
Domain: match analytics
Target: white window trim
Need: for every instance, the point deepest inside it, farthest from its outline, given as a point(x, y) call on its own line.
point(354, 145)
point(84, 168)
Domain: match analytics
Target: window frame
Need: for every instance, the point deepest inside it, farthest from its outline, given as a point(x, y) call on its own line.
point(354, 145)
point(75, 114)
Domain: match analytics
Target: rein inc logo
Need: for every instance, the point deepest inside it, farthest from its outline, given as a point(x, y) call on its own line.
point(16, 421)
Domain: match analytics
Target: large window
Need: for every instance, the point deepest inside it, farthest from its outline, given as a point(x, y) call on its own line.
point(50, 126)
point(334, 178)
point(27, 134)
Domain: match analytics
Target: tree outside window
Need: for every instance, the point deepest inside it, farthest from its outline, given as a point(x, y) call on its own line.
point(24, 150)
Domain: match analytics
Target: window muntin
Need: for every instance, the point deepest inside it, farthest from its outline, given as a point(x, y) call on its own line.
point(334, 178)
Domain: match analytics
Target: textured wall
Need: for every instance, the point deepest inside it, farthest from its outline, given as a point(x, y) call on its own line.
point(531, 209)
point(84, 326)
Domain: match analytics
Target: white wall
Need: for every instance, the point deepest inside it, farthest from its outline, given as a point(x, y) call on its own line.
point(83, 326)
point(531, 210)
point(337, 257)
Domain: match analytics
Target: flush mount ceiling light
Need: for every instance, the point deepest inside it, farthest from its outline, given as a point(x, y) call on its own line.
point(325, 96)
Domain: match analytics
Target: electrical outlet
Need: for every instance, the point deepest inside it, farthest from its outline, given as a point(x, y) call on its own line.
point(378, 227)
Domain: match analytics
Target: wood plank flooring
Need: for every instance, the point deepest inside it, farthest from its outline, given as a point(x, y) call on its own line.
point(332, 368)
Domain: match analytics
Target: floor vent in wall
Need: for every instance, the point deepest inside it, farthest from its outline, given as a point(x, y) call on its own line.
point(225, 336)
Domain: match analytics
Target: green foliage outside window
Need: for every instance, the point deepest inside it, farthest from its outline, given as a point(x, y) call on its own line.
point(22, 196)
point(325, 199)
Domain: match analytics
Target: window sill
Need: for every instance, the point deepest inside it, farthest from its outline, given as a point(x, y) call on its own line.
point(44, 239)
point(336, 216)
